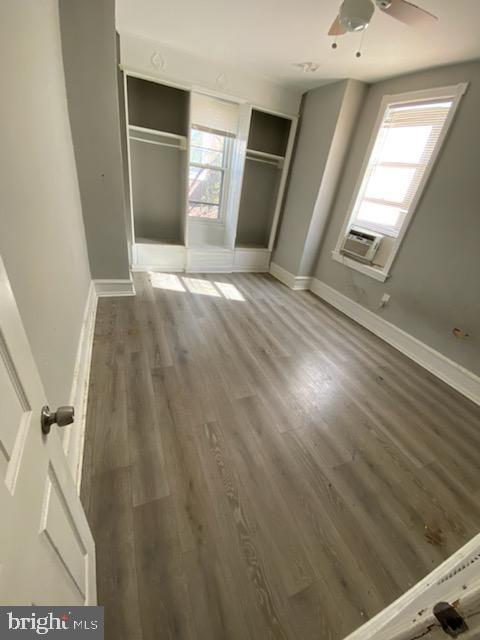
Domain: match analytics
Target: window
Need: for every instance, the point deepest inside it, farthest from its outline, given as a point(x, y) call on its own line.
point(405, 143)
point(208, 163)
point(408, 135)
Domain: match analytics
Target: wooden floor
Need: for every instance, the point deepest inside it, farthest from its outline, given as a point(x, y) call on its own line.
point(259, 466)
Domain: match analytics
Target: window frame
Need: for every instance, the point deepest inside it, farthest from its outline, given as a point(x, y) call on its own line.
point(224, 171)
point(452, 92)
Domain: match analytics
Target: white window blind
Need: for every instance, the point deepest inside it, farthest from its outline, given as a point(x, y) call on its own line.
point(214, 114)
point(403, 150)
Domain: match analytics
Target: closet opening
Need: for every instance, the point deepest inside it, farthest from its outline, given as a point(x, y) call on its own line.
point(260, 200)
point(158, 122)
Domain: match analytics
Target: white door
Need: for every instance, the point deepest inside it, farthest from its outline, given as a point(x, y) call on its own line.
point(455, 582)
point(47, 553)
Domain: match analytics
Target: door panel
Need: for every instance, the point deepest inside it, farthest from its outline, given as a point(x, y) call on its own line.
point(62, 534)
point(47, 553)
point(16, 416)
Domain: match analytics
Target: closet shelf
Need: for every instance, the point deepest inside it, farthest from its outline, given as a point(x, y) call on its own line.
point(157, 137)
point(156, 241)
point(164, 134)
point(262, 156)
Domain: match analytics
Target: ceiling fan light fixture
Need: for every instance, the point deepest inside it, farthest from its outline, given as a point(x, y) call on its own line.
point(355, 15)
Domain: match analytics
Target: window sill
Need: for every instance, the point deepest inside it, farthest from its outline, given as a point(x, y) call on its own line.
point(377, 273)
point(200, 220)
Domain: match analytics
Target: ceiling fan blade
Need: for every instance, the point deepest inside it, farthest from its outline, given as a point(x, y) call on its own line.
point(409, 13)
point(336, 29)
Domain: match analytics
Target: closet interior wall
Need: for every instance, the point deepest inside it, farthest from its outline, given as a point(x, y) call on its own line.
point(262, 191)
point(164, 236)
point(158, 126)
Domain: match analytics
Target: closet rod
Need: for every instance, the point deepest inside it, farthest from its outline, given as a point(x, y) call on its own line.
point(160, 144)
point(275, 164)
point(156, 132)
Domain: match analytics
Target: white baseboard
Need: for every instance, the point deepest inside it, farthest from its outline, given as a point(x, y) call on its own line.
point(145, 268)
point(209, 260)
point(114, 288)
point(75, 435)
point(74, 438)
point(158, 257)
point(251, 260)
point(297, 283)
point(464, 381)
point(199, 258)
point(461, 379)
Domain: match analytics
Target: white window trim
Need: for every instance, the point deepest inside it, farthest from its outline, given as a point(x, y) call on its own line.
point(225, 170)
point(454, 92)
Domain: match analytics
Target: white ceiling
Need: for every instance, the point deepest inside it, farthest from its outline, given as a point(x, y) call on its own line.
point(266, 37)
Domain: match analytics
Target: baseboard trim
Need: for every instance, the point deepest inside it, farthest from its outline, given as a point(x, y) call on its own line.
point(456, 376)
point(142, 268)
point(297, 283)
point(114, 288)
point(74, 438)
point(453, 374)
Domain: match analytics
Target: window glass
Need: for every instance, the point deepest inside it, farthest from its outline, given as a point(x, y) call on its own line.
point(203, 210)
point(402, 152)
point(205, 185)
point(390, 183)
point(206, 173)
point(206, 156)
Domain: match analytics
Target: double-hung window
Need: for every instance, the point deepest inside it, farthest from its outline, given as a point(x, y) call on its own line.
point(408, 135)
point(209, 152)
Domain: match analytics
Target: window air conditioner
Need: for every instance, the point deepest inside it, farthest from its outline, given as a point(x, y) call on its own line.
point(361, 244)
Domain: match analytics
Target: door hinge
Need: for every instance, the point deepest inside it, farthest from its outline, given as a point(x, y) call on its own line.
point(451, 621)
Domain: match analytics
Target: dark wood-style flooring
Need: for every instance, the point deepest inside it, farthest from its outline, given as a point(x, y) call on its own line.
point(259, 466)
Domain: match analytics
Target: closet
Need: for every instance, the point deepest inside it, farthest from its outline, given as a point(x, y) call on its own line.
point(158, 129)
point(262, 191)
point(207, 177)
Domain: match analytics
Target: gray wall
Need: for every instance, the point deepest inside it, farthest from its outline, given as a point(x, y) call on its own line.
point(317, 128)
point(42, 239)
point(157, 106)
point(353, 99)
point(434, 283)
point(158, 191)
point(89, 56)
point(257, 203)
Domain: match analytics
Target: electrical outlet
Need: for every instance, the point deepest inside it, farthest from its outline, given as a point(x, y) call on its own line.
point(384, 299)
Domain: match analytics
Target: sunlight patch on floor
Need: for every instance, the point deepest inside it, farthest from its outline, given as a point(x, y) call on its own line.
point(198, 286)
point(202, 287)
point(168, 281)
point(229, 291)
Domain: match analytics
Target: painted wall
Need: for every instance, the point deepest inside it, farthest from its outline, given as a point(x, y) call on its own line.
point(42, 238)
point(257, 204)
point(160, 61)
point(89, 56)
point(434, 283)
point(326, 123)
point(158, 191)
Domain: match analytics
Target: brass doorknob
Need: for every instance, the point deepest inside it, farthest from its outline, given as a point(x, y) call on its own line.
point(61, 417)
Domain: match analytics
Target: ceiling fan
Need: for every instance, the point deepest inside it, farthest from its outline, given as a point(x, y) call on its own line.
point(355, 15)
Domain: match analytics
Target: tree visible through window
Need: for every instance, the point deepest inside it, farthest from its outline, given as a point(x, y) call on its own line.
point(208, 159)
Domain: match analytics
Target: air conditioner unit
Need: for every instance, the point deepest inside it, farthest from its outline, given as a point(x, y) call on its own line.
point(361, 244)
